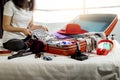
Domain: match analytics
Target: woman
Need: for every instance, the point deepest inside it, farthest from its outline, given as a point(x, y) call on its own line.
point(18, 19)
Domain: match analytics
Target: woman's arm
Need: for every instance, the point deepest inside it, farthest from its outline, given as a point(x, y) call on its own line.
point(7, 26)
point(33, 27)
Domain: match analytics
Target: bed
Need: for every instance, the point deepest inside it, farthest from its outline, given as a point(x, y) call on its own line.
point(62, 67)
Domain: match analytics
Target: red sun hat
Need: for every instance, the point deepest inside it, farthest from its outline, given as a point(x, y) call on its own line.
point(72, 28)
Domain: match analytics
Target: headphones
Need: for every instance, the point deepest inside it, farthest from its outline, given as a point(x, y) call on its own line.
point(104, 47)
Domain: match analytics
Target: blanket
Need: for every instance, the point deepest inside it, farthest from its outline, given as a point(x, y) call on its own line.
point(96, 67)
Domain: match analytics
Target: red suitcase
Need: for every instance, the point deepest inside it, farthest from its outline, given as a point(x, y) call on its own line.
point(66, 50)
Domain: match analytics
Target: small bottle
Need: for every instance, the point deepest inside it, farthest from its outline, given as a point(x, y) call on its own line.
point(112, 38)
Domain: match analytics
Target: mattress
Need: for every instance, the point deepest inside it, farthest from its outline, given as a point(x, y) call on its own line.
point(62, 67)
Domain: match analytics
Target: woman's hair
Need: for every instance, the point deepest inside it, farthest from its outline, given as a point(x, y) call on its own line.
point(24, 4)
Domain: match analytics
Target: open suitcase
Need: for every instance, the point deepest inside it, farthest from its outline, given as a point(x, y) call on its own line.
point(93, 23)
point(97, 22)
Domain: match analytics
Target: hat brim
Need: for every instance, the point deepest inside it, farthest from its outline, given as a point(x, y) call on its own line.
point(64, 32)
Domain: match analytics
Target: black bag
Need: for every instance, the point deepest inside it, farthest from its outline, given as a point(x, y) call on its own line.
point(15, 45)
point(35, 45)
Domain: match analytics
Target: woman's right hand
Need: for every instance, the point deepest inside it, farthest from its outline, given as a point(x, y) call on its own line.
point(26, 32)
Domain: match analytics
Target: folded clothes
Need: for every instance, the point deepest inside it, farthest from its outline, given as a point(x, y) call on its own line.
point(61, 36)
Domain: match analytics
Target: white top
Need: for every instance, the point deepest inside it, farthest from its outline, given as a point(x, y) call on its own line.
point(20, 18)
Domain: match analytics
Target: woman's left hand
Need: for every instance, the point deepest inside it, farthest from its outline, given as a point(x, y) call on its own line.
point(43, 27)
point(39, 27)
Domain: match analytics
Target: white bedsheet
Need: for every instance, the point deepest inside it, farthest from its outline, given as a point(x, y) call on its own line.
point(62, 67)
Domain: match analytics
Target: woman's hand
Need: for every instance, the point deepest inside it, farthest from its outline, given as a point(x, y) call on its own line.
point(43, 27)
point(26, 32)
point(33, 27)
